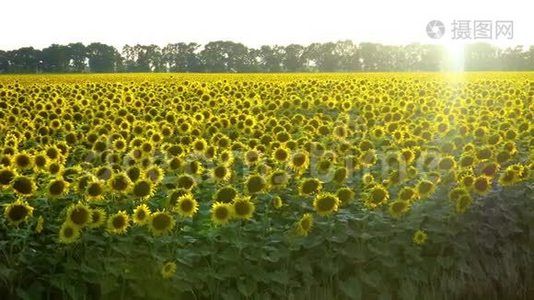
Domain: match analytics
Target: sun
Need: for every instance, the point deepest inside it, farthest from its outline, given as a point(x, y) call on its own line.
point(454, 56)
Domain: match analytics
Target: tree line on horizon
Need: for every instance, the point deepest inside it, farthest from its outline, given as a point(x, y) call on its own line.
point(227, 56)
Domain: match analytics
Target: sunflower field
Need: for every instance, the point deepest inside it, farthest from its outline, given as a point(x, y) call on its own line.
point(316, 186)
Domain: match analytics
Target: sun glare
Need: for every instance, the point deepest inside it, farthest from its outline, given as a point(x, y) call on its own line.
point(455, 56)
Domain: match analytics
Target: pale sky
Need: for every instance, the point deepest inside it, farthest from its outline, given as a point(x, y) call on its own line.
point(40, 23)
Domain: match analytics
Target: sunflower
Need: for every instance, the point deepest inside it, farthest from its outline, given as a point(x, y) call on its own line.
point(407, 155)
point(435, 177)
point(430, 160)
point(490, 169)
point(82, 182)
point(23, 161)
point(456, 193)
point(324, 165)
point(399, 208)
point(463, 202)
point(221, 173)
point(226, 157)
point(187, 206)
point(57, 187)
point(161, 222)
point(482, 184)
point(94, 189)
point(326, 203)
point(168, 270)
point(392, 159)
point(340, 132)
point(18, 212)
point(68, 233)
point(5, 160)
point(154, 174)
point(118, 223)
point(412, 172)
point(23, 185)
point(221, 213)
point(485, 152)
point(522, 171)
point(243, 208)
point(104, 172)
point(174, 163)
point(225, 194)
point(143, 188)
point(425, 187)
point(282, 136)
point(185, 181)
point(345, 195)
point(40, 224)
point(310, 186)
point(508, 177)
point(6, 176)
point(199, 145)
point(299, 162)
point(255, 184)
point(147, 147)
point(278, 178)
point(378, 195)
point(368, 178)
point(467, 180)
point(503, 156)
point(141, 214)
point(119, 145)
point(446, 163)
point(281, 154)
point(98, 217)
point(79, 215)
point(277, 202)
point(71, 173)
point(408, 194)
point(55, 168)
point(304, 225)
point(134, 173)
point(251, 157)
point(368, 158)
point(172, 197)
point(120, 183)
point(420, 237)
point(340, 174)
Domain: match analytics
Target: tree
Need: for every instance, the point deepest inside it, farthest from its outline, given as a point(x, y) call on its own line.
point(24, 60)
point(293, 58)
point(515, 59)
point(348, 55)
point(228, 56)
point(369, 56)
point(78, 57)
point(530, 58)
point(55, 59)
point(270, 58)
point(4, 62)
point(481, 57)
point(214, 57)
point(239, 58)
point(180, 57)
point(129, 57)
point(103, 58)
